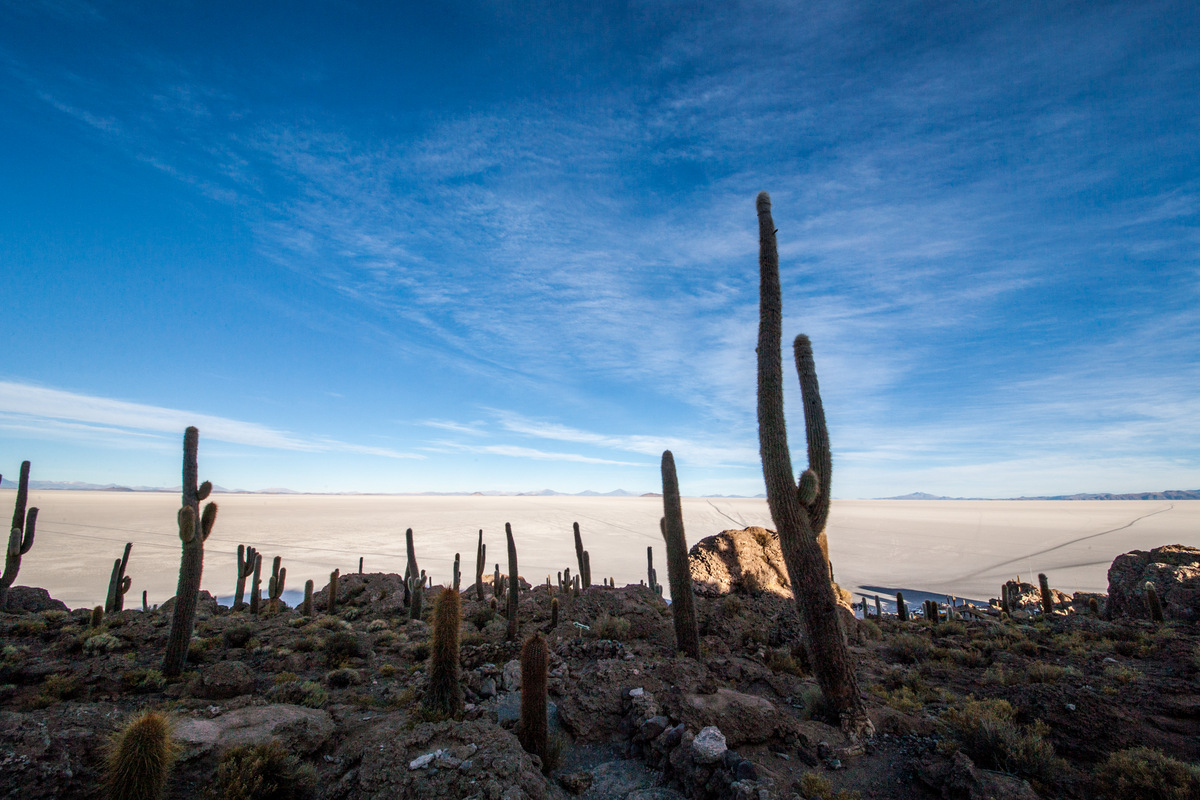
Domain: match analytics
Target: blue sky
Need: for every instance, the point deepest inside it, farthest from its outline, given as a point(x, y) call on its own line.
point(471, 245)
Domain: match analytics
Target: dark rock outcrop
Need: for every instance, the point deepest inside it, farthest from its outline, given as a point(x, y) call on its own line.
point(1175, 571)
point(32, 599)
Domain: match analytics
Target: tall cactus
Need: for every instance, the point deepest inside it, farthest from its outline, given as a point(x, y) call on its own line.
point(118, 583)
point(194, 529)
point(444, 694)
point(533, 725)
point(514, 585)
point(275, 586)
point(245, 567)
point(679, 573)
point(801, 510)
point(256, 585)
point(480, 555)
point(582, 558)
point(20, 538)
point(457, 571)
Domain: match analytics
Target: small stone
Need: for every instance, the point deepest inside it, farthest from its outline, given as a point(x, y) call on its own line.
point(638, 692)
point(709, 745)
point(746, 771)
point(421, 762)
point(1070, 706)
point(487, 688)
point(576, 782)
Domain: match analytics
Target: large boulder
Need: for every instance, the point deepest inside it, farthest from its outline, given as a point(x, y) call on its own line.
point(34, 599)
point(747, 561)
point(1175, 571)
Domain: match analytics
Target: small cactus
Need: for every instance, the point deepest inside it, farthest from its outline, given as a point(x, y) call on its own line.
point(1004, 605)
point(139, 759)
point(245, 568)
point(97, 616)
point(333, 590)
point(443, 694)
point(306, 608)
point(118, 582)
point(20, 539)
point(360, 565)
point(651, 575)
point(480, 558)
point(416, 589)
point(514, 586)
point(145, 601)
point(1094, 606)
point(532, 727)
point(1152, 602)
point(1047, 598)
point(683, 608)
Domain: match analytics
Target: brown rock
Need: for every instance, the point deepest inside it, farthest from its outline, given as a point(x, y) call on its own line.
point(747, 561)
point(299, 729)
point(222, 680)
point(1175, 571)
point(743, 718)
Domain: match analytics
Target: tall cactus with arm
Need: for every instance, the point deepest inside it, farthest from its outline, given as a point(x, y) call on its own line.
point(245, 568)
point(194, 529)
point(480, 553)
point(20, 537)
point(275, 585)
point(118, 583)
point(679, 574)
point(800, 511)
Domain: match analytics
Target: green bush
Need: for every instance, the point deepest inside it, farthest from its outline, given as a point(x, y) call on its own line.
point(987, 730)
point(1144, 774)
point(607, 626)
point(908, 648)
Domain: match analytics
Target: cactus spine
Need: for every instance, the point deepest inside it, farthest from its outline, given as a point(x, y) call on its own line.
point(20, 537)
point(533, 727)
point(1047, 598)
point(679, 574)
point(333, 589)
point(306, 609)
point(256, 585)
point(443, 694)
point(194, 529)
point(480, 556)
point(245, 566)
point(581, 556)
point(800, 510)
point(139, 759)
point(514, 585)
point(1152, 602)
point(118, 583)
point(275, 586)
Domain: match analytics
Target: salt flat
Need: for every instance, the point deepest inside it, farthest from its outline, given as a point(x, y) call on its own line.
point(964, 548)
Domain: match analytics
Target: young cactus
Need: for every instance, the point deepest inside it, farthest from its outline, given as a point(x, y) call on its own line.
point(651, 575)
point(1152, 602)
point(554, 613)
point(514, 586)
point(245, 567)
point(679, 573)
point(801, 509)
point(20, 538)
point(139, 759)
point(118, 583)
point(275, 586)
point(194, 529)
point(443, 693)
point(533, 727)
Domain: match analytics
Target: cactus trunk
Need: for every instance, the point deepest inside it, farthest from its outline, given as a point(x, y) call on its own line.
point(194, 529)
point(306, 609)
point(443, 694)
point(533, 726)
point(514, 585)
point(20, 538)
point(679, 574)
point(1047, 598)
point(118, 584)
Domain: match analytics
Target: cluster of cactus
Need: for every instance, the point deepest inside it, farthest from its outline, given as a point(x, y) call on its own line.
point(246, 558)
point(119, 583)
point(569, 583)
point(194, 529)
point(651, 575)
point(256, 585)
point(931, 610)
point(679, 573)
point(800, 509)
point(414, 579)
point(20, 537)
point(583, 560)
point(443, 693)
point(514, 586)
point(498, 583)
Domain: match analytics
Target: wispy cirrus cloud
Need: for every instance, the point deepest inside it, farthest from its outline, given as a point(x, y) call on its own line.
point(32, 409)
point(531, 453)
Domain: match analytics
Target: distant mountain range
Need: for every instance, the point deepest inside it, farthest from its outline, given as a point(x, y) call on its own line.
point(1169, 494)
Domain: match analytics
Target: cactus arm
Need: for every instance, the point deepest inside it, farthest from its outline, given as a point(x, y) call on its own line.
point(22, 498)
point(820, 461)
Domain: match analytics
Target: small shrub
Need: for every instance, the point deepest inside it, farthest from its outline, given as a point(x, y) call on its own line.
point(482, 616)
point(29, 626)
point(101, 643)
point(343, 645)
point(343, 678)
point(987, 730)
point(870, 629)
point(902, 699)
point(309, 694)
point(387, 670)
point(781, 660)
point(607, 626)
point(238, 636)
point(816, 706)
point(818, 787)
point(144, 680)
point(1041, 672)
point(952, 628)
point(60, 687)
point(1144, 774)
point(1121, 674)
point(377, 625)
point(731, 605)
point(263, 772)
point(908, 648)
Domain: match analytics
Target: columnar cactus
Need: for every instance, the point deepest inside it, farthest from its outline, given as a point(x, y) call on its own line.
point(901, 608)
point(679, 574)
point(245, 567)
point(140, 758)
point(514, 585)
point(581, 556)
point(118, 583)
point(1152, 602)
point(20, 538)
point(256, 585)
point(651, 575)
point(194, 529)
point(306, 608)
point(457, 573)
point(533, 726)
point(360, 565)
point(443, 693)
point(480, 556)
point(333, 590)
point(497, 582)
point(1047, 598)
point(275, 586)
point(97, 617)
point(554, 613)
point(416, 590)
point(1004, 606)
point(800, 510)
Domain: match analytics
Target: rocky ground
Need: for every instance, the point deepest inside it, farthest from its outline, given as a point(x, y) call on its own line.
point(1014, 706)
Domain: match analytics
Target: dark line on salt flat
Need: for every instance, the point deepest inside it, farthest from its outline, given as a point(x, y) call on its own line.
point(1027, 556)
point(726, 516)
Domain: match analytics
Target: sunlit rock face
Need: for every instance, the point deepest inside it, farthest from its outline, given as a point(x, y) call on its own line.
point(1173, 569)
